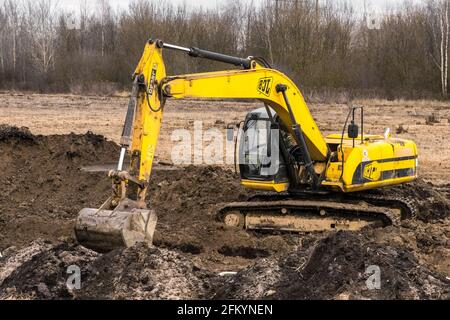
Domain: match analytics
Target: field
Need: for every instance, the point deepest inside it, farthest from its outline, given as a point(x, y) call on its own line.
point(42, 188)
point(62, 114)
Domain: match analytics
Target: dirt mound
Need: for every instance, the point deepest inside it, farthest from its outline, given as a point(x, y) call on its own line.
point(141, 272)
point(42, 184)
point(335, 268)
point(187, 200)
point(46, 188)
point(11, 132)
point(40, 270)
point(433, 203)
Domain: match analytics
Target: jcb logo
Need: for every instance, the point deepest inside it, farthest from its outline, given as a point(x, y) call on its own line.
point(372, 172)
point(265, 85)
point(152, 80)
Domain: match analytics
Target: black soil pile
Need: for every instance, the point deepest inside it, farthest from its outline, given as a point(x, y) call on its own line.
point(187, 202)
point(42, 186)
point(433, 203)
point(8, 133)
point(339, 267)
point(143, 272)
point(45, 188)
point(41, 271)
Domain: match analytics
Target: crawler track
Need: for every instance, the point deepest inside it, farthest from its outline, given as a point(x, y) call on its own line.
point(310, 211)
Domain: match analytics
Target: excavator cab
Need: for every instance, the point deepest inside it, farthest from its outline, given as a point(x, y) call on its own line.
point(260, 158)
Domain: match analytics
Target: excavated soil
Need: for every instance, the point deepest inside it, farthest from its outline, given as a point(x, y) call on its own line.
point(43, 186)
point(337, 267)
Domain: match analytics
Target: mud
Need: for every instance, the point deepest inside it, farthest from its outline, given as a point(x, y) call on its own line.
point(43, 186)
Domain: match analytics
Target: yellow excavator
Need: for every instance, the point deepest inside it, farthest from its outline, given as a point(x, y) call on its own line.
point(308, 182)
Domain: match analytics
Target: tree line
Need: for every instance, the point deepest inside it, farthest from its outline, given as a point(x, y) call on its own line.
point(322, 45)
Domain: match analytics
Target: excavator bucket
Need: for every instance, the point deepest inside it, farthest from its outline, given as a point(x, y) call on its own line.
point(106, 230)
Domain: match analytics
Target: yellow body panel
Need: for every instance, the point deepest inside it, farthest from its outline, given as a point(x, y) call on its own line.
point(266, 185)
point(336, 138)
point(367, 166)
point(372, 164)
point(337, 186)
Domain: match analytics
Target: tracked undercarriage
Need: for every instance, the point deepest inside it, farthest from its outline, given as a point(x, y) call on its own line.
point(312, 212)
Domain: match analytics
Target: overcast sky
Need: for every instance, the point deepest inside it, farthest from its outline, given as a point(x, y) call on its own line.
point(376, 5)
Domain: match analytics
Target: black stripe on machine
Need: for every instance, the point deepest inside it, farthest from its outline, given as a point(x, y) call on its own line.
point(370, 171)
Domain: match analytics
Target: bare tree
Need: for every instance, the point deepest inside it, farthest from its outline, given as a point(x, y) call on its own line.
point(438, 24)
point(444, 27)
point(41, 20)
point(12, 13)
point(104, 11)
point(3, 24)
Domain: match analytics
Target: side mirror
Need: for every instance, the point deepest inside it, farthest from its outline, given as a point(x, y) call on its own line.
point(353, 131)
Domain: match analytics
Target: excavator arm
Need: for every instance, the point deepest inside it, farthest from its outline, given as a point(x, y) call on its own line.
point(152, 87)
point(123, 219)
